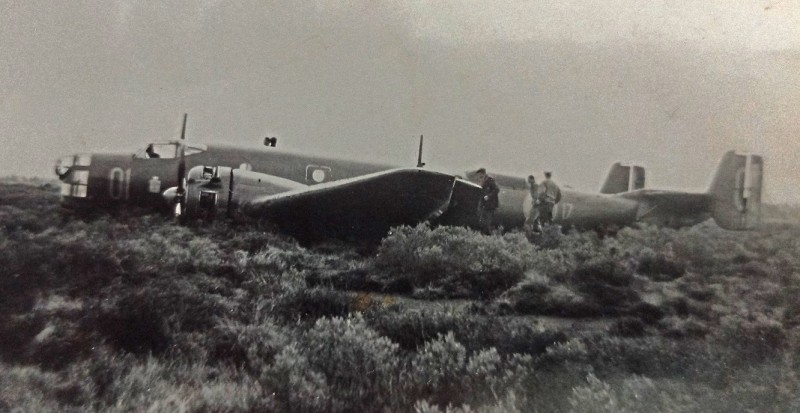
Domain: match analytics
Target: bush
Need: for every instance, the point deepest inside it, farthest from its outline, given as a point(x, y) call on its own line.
point(411, 329)
point(603, 272)
point(362, 364)
point(154, 385)
point(754, 335)
point(28, 389)
point(659, 267)
point(635, 394)
point(250, 346)
point(296, 385)
point(439, 368)
point(455, 258)
point(444, 375)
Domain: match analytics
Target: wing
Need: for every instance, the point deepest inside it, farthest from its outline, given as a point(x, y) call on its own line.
point(364, 207)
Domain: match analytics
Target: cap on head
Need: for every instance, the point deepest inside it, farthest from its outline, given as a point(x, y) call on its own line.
point(531, 178)
point(547, 174)
point(481, 171)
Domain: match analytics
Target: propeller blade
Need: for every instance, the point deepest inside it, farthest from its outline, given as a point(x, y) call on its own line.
point(183, 129)
point(180, 196)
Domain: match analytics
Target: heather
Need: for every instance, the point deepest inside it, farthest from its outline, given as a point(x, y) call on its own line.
point(128, 311)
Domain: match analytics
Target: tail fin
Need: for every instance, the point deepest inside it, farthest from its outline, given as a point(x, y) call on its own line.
point(736, 191)
point(623, 178)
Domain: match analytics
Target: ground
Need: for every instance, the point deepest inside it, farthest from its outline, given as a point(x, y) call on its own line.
point(129, 311)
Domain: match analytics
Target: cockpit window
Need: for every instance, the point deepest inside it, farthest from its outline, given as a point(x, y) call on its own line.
point(167, 150)
point(164, 151)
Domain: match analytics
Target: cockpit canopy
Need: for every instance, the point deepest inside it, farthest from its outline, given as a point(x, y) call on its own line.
point(168, 150)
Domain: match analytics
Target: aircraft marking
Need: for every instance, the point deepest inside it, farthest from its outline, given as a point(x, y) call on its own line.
point(640, 213)
point(563, 209)
point(317, 173)
point(154, 185)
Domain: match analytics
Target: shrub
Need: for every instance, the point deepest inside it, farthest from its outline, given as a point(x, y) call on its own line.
point(689, 327)
point(296, 385)
point(133, 324)
point(635, 394)
point(313, 303)
point(149, 318)
point(444, 375)
point(29, 389)
point(628, 327)
point(754, 335)
point(361, 363)
point(455, 256)
point(439, 369)
point(154, 385)
point(603, 272)
point(659, 267)
point(411, 329)
point(246, 345)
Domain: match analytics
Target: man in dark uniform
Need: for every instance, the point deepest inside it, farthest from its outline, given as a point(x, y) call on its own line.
point(489, 202)
point(549, 196)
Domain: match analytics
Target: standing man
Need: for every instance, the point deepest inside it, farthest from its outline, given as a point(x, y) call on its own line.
point(489, 202)
point(549, 196)
point(532, 221)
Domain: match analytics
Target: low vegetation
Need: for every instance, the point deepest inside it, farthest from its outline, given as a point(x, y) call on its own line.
point(129, 312)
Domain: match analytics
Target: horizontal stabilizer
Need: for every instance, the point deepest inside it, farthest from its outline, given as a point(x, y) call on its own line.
point(670, 208)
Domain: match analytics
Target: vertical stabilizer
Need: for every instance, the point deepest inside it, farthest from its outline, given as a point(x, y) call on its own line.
point(623, 178)
point(736, 191)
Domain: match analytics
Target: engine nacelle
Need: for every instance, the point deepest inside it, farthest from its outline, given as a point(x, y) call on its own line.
point(219, 190)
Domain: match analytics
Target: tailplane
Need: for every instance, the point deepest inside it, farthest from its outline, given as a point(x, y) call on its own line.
point(623, 178)
point(736, 191)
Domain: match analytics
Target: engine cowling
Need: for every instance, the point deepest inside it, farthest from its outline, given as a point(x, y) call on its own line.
point(212, 191)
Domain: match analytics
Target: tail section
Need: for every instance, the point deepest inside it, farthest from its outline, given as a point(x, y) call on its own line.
point(623, 178)
point(736, 191)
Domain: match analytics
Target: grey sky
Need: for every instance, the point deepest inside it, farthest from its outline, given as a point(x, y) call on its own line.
point(515, 86)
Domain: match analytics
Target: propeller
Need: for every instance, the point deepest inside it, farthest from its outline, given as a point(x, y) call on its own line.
point(180, 195)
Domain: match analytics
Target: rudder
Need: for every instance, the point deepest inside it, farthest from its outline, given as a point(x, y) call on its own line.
point(736, 191)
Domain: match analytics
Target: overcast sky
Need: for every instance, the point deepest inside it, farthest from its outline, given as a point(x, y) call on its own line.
point(515, 86)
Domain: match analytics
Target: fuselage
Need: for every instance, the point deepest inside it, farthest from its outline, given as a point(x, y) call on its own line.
point(114, 179)
point(104, 180)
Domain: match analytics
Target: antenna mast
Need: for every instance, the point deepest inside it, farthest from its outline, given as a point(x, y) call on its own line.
point(420, 164)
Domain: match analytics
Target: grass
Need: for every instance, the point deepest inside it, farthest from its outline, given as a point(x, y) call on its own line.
point(130, 312)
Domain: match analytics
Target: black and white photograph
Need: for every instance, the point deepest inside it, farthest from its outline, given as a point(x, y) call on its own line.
point(400, 206)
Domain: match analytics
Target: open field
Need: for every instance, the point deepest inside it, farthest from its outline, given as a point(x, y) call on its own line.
point(130, 312)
